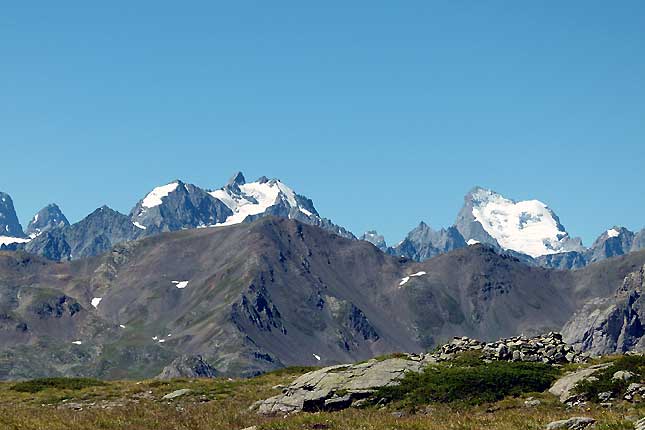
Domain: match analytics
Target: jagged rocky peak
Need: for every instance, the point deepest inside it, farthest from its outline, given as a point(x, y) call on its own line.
point(175, 206)
point(423, 242)
point(9, 224)
point(10, 229)
point(47, 219)
point(237, 179)
point(612, 242)
point(529, 226)
point(265, 196)
point(375, 239)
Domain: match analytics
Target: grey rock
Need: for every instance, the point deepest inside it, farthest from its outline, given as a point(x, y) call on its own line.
point(614, 324)
point(531, 403)
point(318, 390)
point(605, 396)
point(176, 393)
point(640, 424)
point(563, 387)
point(575, 423)
point(623, 375)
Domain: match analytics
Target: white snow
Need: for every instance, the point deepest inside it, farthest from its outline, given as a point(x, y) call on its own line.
point(121, 325)
point(407, 278)
point(36, 218)
point(317, 357)
point(162, 340)
point(137, 225)
point(77, 342)
point(612, 233)
point(472, 242)
point(155, 338)
point(154, 197)
point(96, 301)
point(8, 240)
point(527, 226)
point(180, 284)
point(256, 198)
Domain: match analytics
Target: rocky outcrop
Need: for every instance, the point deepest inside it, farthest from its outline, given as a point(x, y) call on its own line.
point(341, 386)
point(338, 387)
point(575, 423)
point(188, 366)
point(612, 324)
point(563, 387)
point(9, 224)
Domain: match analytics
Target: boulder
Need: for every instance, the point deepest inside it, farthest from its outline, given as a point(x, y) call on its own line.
point(575, 423)
point(563, 387)
point(337, 387)
point(177, 393)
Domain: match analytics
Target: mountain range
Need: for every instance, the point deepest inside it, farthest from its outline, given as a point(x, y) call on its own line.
point(250, 277)
point(529, 230)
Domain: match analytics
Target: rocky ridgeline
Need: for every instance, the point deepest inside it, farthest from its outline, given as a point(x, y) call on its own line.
point(548, 348)
point(342, 386)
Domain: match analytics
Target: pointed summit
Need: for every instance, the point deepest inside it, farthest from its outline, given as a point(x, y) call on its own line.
point(237, 179)
point(46, 219)
point(9, 224)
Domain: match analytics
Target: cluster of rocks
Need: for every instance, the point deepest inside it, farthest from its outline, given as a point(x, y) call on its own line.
point(342, 386)
point(548, 348)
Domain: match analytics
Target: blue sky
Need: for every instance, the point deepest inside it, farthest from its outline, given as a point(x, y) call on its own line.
point(384, 113)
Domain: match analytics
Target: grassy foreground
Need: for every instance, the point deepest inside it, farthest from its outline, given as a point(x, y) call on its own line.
point(222, 404)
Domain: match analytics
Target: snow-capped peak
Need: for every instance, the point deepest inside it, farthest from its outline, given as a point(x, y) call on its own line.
point(254, 198)
point(154, 197)
point(529, 226)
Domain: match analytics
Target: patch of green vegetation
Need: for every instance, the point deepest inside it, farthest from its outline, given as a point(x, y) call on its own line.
point(470, 381)
point(604, 381)
point(40, 384)
point(293, 370)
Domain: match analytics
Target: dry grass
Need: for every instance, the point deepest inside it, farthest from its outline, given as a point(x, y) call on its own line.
point(223, 405)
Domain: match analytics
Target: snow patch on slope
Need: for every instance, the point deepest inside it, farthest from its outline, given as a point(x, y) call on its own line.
point(154, 197)
point(407, 278)
point(96, 301)
point(527, 226)
point(8, 240)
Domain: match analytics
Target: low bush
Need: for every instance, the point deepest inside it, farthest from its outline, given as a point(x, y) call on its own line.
point(603, 380)
point(40, 384)
point(470, 381)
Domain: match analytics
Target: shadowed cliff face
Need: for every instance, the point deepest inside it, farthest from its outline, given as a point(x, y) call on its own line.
point(606, 325)
point(272, 293)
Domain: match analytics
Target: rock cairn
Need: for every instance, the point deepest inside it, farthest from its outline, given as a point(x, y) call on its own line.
point(548, 348)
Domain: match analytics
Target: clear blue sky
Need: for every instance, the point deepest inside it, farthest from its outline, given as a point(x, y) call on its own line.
point(384, 113)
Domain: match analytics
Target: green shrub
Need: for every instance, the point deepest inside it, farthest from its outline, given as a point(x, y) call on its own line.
point(40, 384)
point(475, 383)
point(604, 382)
